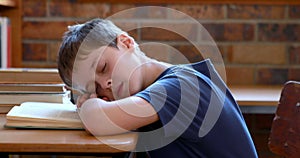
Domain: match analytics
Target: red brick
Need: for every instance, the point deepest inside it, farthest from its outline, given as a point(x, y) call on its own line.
point(53, 51)
point(236, 32)
point(258, 54)
point(190, 52)
point(34, 52)
point(159, 32)
point(130, 27)
point(121, 11)
point(272, 76)
point(256, 11)
point(266, 65)
point(78, 9)
point(231, 31)
point(33, 8)
point(44, 30)
point(197, 11)
point(294, 74)
point(224, 51)
point(147, 12)
point(279, 32)
point(178, 57)
point(151, 33)
point(177, 54)
point(294, 55)
point(240, 75)
point(157, 51)
point(294, 12)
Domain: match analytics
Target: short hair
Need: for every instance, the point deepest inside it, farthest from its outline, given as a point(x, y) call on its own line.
point(84, 38)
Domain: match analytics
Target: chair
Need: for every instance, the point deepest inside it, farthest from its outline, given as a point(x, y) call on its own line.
point(284, 138)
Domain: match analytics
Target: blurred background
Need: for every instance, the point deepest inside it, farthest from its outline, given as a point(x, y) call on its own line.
point(260, 43)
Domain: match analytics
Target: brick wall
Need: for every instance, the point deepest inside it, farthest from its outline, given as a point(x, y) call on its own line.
point(260, 44)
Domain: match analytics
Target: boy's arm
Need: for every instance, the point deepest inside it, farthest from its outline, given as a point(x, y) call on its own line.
point(106, 118)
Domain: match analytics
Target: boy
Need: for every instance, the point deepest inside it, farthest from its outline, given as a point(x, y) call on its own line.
point(179, 110)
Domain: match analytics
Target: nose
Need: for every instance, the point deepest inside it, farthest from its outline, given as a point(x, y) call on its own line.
point(104, 83)
point(107, 84)
point(103, 89)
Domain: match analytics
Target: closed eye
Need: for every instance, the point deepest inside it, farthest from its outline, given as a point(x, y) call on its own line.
point(104, 68)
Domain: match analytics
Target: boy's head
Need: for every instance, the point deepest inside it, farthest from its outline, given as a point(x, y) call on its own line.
point(84, 38)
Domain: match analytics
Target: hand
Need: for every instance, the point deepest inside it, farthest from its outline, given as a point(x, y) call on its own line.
point(81, 99)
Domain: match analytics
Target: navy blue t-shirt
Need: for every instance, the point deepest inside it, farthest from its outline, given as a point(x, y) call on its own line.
point(198, 117)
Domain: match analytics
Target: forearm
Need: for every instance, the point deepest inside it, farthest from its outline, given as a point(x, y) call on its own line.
point(95, 119)
point(107, 118)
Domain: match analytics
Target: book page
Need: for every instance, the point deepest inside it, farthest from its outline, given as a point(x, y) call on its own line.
point(49, 111)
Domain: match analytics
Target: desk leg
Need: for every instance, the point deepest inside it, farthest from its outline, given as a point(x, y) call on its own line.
point(123, 155)
point(4, 155)
point(134, 155)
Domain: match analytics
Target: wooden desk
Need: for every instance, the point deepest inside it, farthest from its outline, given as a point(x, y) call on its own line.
point(61, 141)
point(257, 99)
point(251, 100)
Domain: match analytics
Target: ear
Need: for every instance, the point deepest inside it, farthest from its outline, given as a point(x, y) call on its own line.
point(125, 41)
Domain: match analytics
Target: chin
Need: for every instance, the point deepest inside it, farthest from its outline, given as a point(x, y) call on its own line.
point(135, 91)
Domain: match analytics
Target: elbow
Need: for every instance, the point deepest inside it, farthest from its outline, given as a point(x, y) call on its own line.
point(96, 120)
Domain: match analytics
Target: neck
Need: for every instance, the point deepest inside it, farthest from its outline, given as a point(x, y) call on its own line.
point(152, 70)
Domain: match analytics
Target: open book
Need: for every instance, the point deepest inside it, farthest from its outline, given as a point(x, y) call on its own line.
point(44, 115)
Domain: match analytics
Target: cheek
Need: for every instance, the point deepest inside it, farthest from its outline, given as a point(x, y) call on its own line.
point(122, 70)
point(135, 82)
point(127, 71)
point(120, 75)
point(130, 80)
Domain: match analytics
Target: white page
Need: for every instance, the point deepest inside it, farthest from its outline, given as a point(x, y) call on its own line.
point(44, 110)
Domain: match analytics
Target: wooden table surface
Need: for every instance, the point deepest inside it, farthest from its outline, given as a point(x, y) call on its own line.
point(61, 141)
point(251, 99)
point(256, 95)
point(257, 99)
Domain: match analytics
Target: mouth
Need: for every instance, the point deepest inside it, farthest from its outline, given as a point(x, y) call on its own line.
point(105, 98)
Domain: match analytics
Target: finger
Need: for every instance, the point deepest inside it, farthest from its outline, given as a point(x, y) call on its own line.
point(82, 99)
point(93, 95)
